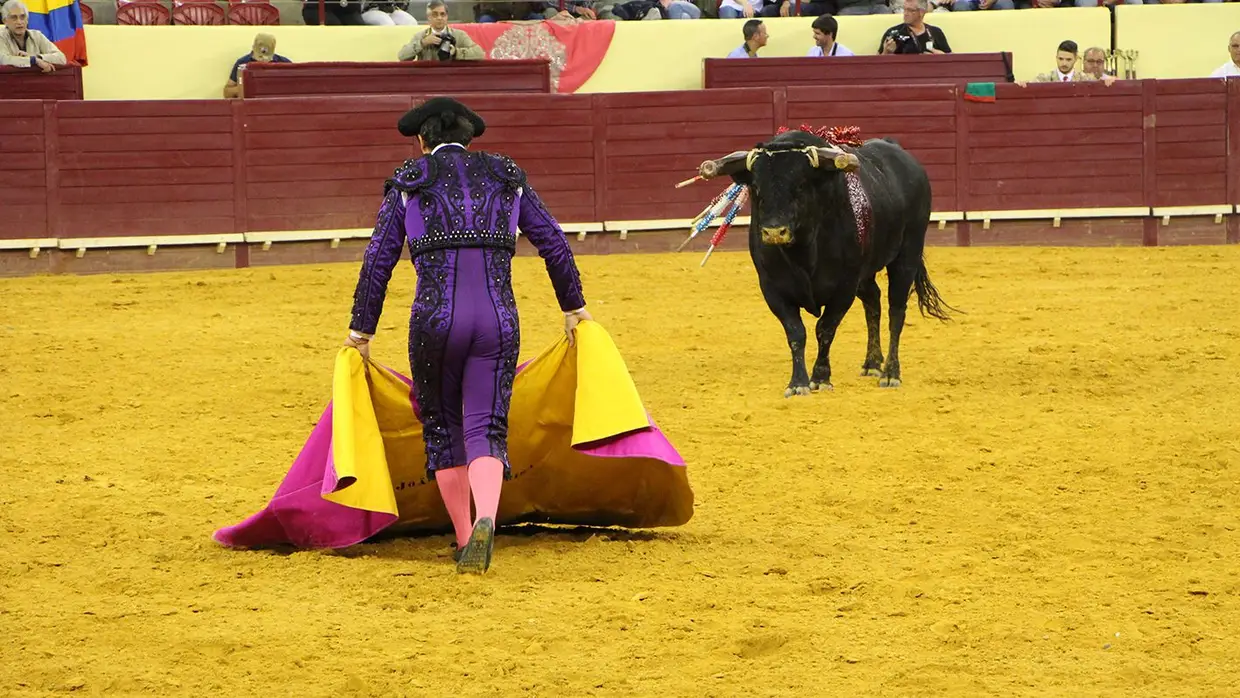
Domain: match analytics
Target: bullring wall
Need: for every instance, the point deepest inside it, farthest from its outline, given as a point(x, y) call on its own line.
point(266, 181)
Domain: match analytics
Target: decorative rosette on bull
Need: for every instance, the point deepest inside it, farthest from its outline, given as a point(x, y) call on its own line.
point(730, 201)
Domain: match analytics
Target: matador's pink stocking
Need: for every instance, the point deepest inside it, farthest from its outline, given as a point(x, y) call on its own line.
point(454, 488)
point(486, 477)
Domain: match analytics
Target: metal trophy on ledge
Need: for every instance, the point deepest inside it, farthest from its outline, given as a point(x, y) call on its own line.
point(1122, 64)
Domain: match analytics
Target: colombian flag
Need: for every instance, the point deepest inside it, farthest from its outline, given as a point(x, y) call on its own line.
point(61, 22)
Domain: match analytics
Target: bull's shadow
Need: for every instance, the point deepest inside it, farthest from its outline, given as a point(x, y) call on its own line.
point(825, 219)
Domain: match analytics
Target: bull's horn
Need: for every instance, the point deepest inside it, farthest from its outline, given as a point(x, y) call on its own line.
point(844, 162)
point(726, 165)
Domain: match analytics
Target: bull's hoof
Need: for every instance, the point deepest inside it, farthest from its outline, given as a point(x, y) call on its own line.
point(799, 390)
point(815, 386)
point(871, 373)
point(888, 382)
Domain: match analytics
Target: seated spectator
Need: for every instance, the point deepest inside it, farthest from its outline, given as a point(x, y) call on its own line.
point(914, 35)
point(754, 32)
point(1230, 68)
point(263, 51)
point(862, 7)
point(487, 12)
point(967, 5)
point(735, 9)
point(387, 13)
point(438, 42)
point(22, 47)
point(334, 13)
point(1095, 62)
point(580, 9)
point(825, 28)
point(1065, 64)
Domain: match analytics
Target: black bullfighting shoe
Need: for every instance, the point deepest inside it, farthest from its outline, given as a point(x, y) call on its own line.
point(476, 557)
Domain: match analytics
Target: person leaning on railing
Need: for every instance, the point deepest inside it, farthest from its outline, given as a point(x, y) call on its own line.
point(22, 47)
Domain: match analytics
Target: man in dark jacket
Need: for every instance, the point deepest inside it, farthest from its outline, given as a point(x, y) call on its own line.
point(914, 35)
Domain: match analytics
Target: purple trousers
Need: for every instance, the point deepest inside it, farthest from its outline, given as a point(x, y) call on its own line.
point(464, 341)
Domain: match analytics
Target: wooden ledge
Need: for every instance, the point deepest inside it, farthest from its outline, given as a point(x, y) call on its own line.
point(28, 244)
point(150, 242)
point(334, 236)
point(1166, 213)
point(1056, 214)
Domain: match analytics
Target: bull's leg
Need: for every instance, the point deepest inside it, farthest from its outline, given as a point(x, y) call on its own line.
point(835, 310)
point(899, 283)
point(871, 299)
point(794, 328)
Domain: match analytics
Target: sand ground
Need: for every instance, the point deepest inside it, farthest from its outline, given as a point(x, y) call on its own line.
point(1047, 507)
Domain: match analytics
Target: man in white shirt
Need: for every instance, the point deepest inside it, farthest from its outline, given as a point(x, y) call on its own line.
point(1232, 67)
point(22, 47)
point(825, 28)
point(754, 32)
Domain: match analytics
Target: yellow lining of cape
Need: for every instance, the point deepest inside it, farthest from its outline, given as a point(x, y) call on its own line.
point(604, 404)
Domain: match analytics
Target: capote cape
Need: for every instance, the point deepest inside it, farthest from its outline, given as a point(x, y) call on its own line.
point(582, 448)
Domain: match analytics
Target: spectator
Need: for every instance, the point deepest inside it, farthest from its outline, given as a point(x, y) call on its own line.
point(346, 12)
point(580, 9)
point(263, 51)
point(653, 9)
point(1232, 67)
point(1065, 64)
point(754, 32)
point(825, 28)
point(966, 5)
point(22, 47)
point(1095, 62)
point(506, 11)
point(862, 7)
point(438, 42)
point(387, 13)
point(733, 9)
point(914, 35)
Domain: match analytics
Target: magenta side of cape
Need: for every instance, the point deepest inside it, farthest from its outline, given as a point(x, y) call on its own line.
point(298, 515)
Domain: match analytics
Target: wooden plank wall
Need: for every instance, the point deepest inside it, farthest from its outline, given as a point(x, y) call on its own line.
point(319, 164)
point(861, 70)
point(921, 118)
point(655, 139)
point(1070, 146)
point(99, 169)
point(144, 168)
point(552, 138)
point(1190, 149)
point(23, 177)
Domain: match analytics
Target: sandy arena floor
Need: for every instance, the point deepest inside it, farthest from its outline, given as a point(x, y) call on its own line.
point(1047, 507)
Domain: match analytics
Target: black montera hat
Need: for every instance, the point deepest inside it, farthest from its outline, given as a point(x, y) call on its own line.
point(411, 123)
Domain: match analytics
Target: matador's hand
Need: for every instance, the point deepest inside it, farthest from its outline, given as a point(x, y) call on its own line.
point(362, 345)
point(571, 320)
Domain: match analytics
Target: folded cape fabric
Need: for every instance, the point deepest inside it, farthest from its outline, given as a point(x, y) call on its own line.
point(583, 451)
point(980, 92)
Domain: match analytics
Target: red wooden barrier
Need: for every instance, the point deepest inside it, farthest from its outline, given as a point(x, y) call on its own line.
point(23, 178)
point(394, 78)
point(143, 168)
point(1190, 152)
point(921, 118)
point(1055, 146)
point(106, 169)
point(921, 69)
point(317, 164)
point(31, 83)
point(656, 139)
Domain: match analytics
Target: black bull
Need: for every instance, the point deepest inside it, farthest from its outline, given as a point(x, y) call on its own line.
point(804, 241)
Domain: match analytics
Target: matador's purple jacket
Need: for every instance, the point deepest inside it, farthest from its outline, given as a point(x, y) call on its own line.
point(458, 211)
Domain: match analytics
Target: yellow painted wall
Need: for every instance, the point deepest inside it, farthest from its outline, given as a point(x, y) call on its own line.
point(1177, 41)
point(193, 62)
point(667, 55)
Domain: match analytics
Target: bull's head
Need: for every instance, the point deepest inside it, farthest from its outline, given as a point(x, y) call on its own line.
point(781, 175)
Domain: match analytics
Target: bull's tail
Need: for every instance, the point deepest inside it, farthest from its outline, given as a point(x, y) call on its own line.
point(929, 302)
